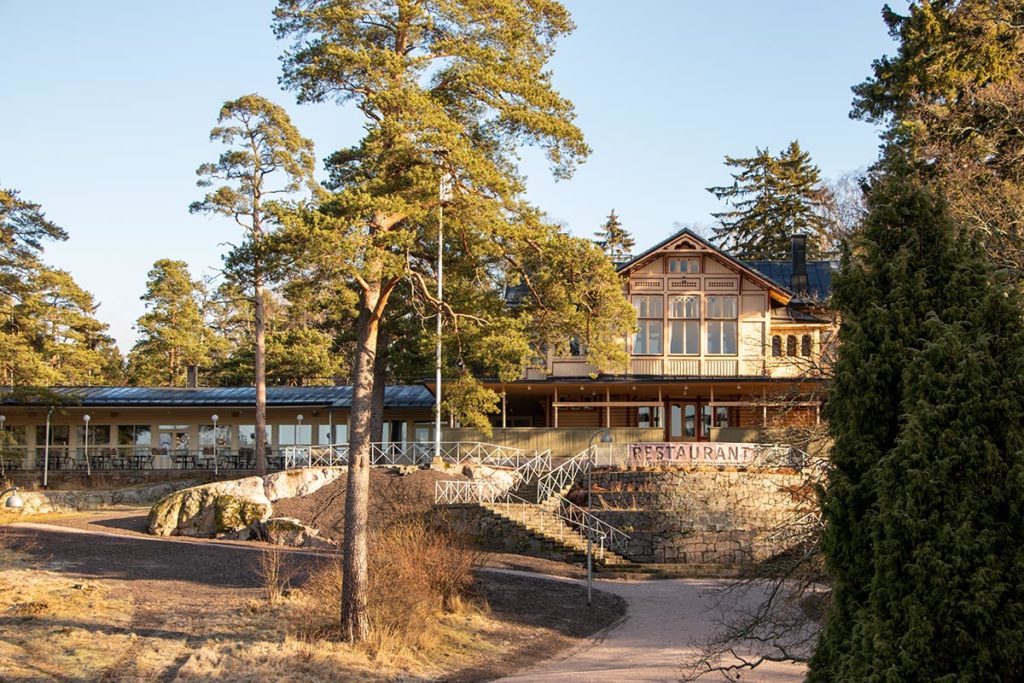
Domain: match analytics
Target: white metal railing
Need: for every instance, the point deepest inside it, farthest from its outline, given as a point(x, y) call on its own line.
point(570, 517)
point(566, 474)
point(455, 452)
point(596, 529)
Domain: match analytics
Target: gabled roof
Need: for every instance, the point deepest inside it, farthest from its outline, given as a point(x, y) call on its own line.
point(395, 396)
point(781, 291)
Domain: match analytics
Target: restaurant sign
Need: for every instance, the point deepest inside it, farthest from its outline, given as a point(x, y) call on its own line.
point(693, 453)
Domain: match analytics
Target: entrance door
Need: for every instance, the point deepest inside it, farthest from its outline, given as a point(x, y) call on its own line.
point(682, 422)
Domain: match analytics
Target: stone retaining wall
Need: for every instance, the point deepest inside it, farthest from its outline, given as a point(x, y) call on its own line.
point(700, 516)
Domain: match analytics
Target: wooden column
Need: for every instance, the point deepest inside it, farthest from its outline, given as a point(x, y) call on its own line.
point(554, 410)
point(608, 408)
point(503, 410)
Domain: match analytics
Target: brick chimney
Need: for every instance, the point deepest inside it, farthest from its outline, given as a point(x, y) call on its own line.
point(798, 279)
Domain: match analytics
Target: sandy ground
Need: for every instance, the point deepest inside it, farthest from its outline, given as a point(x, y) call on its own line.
point(190, 592)
point(666, 621)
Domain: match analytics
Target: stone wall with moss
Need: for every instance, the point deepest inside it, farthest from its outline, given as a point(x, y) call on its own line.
point(702, 515)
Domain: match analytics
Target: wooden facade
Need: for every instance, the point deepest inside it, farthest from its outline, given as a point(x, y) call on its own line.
point(722, 352)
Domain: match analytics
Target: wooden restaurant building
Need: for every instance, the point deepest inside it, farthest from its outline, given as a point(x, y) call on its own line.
point(724, 351)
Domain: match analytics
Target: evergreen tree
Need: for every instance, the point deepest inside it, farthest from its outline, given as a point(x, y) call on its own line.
point(452, 90)
point(614, 239)
point(953, 96)
point(262, 144)
point(49, 333)
point(772, 198)
point(912, 295)
point(172, 331)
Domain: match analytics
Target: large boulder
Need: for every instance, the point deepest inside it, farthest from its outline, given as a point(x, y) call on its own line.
point(497, 480)
point(220, 508)
point(299, 482)
point(291, 532)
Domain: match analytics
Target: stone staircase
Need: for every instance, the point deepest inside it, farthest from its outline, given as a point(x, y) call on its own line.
point(537, 529)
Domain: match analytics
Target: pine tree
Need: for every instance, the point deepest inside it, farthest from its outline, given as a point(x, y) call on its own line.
point(914, 297)
point(447, 90)
point(772, 197)
point(172, 331)
point(263, 145)
point(614, 239)
point(49, 333)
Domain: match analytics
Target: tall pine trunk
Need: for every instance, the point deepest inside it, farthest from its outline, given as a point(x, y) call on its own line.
point(354, 619)
point(261, 379)
point(379, 384)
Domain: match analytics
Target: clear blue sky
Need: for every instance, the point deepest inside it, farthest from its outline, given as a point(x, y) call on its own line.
point(105, 109)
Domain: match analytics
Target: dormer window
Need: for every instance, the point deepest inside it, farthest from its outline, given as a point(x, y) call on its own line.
point(689, 264)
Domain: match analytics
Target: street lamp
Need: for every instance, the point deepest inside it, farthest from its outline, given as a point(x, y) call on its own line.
point(3, 443)
point(606, 437)
point(445, 192)
point(216, 465)
point(88, 467)
point(13, 501)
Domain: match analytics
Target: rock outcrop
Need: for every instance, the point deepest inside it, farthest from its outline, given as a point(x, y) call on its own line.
point(223, 507)
point(299, 482)
point(45, 502)
point(234, 508)
point(291, 532)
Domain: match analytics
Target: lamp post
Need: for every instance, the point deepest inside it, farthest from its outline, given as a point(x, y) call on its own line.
point(444, 195)
point(13, 501)
point(606, 437)
point(3, 444)
point(216, 465)
point(88, 467)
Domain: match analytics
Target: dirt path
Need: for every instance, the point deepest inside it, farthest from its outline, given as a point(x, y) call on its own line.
point(665, 622)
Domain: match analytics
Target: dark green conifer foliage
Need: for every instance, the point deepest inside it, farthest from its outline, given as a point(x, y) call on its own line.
point(903, 269)
point(772, 197)
point(614, 239)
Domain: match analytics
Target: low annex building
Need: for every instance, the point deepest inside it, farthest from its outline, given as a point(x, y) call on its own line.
point(160, 428)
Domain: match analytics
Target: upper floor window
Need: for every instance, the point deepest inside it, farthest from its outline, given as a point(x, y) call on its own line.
point(721, 316)
point(776, 346)
point(684, 326)
point(805, 345)
point(649, 312)
point(647, 305)
point(791, 345)
point(684, 265)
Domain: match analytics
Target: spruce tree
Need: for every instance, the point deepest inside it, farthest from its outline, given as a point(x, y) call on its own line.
point(772, 198)
point(891, 280)
point(946, 601)
point(614, 239)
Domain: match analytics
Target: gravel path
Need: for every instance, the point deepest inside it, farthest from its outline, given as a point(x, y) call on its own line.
point(666, 621)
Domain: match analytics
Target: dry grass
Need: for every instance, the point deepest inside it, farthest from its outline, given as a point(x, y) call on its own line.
point(416, 575)
point(52, 626)
point(276, 574)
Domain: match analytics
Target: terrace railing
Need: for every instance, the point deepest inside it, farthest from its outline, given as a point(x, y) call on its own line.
point(455, 452)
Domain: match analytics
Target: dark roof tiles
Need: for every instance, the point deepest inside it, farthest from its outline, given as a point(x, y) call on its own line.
point(395, 396)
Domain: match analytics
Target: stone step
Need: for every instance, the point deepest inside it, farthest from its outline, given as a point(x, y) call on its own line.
point(546, 527)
